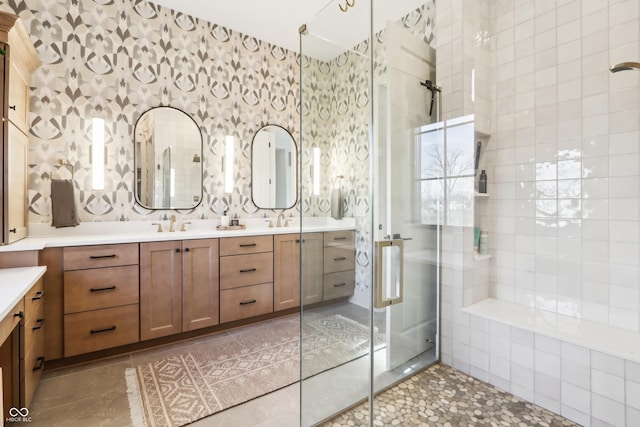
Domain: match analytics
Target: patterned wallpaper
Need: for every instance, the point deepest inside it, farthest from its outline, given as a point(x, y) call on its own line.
point(116, 59)
point(336, 109)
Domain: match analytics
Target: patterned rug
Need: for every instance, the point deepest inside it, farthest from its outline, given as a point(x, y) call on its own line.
point(183, 388)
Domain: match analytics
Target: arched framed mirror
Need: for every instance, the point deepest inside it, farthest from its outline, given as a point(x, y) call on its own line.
point(168, 160)
point(274, 168)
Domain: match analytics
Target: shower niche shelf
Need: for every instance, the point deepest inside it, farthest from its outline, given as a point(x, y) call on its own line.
point(480, 257)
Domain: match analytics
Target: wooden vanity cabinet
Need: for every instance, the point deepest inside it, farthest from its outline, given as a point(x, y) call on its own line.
point(246, 277)
point(339, 264)
point(288, 250)
point(101, 297)
point(179, 287)
point(286, 271)
point(32, 334)
point(16, 67)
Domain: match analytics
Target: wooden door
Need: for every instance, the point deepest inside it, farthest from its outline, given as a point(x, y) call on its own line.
point(312, 268)
point(160, 289)
point(200, 284)
point(286, 274)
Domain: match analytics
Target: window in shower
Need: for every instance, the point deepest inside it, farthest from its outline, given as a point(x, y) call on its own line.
point(445, 179)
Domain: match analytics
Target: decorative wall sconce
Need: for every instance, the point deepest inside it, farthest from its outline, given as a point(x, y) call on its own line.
point(316, 171)
point(228, 164)
point(98, 155)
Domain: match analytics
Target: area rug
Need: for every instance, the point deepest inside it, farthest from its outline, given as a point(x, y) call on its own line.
point(183, 388)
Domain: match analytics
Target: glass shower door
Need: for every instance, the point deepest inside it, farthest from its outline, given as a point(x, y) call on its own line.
point(362, 111)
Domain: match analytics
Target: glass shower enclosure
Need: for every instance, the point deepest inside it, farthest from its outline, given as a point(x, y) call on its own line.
point(369, 96)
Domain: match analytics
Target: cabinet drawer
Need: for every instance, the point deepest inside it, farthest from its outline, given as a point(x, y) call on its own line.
point(99, 329)
point(246, 302)
point(337, 258)
point(33, 365)
point(33, 328)
point(244, 270)
point(33, 299)
point(335, 238)
point(245, 245)
point(339, 284)
point(81, 257)
point(109, 287)
point(10, 321)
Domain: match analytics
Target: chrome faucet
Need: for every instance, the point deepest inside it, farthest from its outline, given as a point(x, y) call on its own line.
point(172, 225)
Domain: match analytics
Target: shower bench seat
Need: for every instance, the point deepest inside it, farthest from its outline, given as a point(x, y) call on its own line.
point(597, 336)
point(586, 371)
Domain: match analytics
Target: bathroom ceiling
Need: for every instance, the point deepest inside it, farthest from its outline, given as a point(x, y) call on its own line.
point(278, 21)
point(275, 21)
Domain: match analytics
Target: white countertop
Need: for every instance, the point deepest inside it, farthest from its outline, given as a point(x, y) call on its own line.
point(586, 333)
point(14, 285)
point(99, 233)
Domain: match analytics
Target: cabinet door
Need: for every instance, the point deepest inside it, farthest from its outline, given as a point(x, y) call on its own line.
point(18, 146)
point(200, 284)
point(18, 94)
point(160, 289)
point(312, 256)
point(286, 274)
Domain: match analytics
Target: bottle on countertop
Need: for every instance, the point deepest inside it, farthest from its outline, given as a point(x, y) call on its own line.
point(224, 220)
point(482, 183)
point(235, 221)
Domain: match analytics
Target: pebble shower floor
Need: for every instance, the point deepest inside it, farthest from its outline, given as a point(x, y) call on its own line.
point(444, 396)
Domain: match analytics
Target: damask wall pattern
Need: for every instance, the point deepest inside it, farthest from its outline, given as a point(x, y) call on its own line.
point(336, 117)
point(115, 59)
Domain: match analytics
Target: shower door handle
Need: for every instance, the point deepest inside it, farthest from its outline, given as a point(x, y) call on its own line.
point(389, 262)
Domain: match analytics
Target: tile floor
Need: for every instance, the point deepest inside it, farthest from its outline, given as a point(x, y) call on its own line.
point(444, 396)
point(95, 394)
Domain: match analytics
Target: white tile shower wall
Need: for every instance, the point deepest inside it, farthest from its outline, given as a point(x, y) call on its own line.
point(563, 212)
point(586, 386)
point(564, 165)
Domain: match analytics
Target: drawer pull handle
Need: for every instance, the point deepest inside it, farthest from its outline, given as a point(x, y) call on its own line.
point(340, 258)
point(38, 296)
point(248, 245)
point(110, 288)
point(248, 302)
point(339, 285)
point(39, 324)
point(19, 314)
point(13, 230)
point(339, 238)
point(298, 240)
point(99, 331)
point(12, 107)
point(102, 256)
point(40, 363)
point(248, 270)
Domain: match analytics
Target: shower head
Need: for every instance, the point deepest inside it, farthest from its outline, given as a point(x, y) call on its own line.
point(624, 66)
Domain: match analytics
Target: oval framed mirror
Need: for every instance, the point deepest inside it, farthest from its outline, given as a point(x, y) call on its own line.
point(167, 159)
point(274, 172)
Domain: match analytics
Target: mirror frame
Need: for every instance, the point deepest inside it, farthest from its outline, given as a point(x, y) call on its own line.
point(295, 165)
point(135, 161)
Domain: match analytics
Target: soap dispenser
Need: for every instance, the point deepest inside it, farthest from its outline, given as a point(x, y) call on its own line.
point(482, 182)
point(224, 219)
